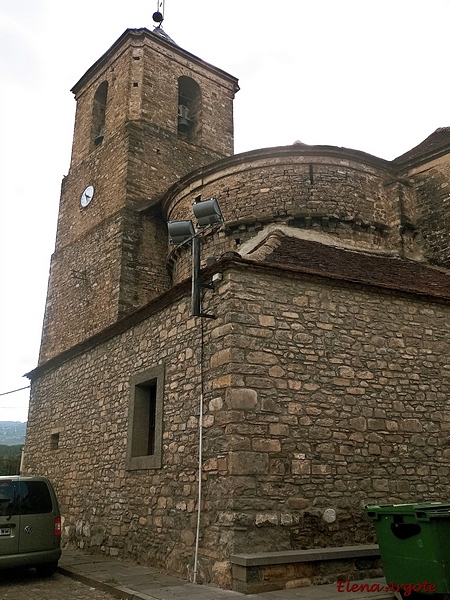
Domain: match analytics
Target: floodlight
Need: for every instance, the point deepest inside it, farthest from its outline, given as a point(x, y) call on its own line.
point(207, 212)
point(180, 231)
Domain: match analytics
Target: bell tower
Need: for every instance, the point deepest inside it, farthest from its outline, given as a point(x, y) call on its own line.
point(147, 113)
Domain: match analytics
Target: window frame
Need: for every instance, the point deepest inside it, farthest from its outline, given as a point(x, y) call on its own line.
point(138, 420)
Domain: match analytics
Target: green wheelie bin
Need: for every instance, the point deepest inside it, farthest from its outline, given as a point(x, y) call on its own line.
point(414, 541)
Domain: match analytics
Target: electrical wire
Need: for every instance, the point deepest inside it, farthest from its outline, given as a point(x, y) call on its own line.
point(27, 387)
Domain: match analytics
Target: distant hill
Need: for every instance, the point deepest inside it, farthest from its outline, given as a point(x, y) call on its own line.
point(12, 433)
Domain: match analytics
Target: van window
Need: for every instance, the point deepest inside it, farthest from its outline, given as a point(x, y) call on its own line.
point(34, 498)
point(6, 497)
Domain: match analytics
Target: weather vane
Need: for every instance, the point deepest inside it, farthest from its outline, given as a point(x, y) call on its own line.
point(158, 16)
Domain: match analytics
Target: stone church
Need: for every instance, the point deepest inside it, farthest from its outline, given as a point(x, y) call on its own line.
point(320, 362)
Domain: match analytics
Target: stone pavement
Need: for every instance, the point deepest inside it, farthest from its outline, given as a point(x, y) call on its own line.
point(26, 584)
point(129, 581)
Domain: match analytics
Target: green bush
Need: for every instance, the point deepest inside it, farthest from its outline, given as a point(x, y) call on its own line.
point(10, 459)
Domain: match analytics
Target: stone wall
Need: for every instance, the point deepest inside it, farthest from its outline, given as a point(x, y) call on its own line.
point(331, 396)
point(318, 395)
point(431, 184)
point(140, 156)
point(147, 515)
point(348, 195)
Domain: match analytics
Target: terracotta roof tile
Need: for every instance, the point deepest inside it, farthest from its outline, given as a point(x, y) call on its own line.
point(348, 265)
point(437, 141)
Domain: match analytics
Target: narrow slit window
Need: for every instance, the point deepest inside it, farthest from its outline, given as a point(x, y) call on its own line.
point(99, 114)
point(54, 441)
point(189, 110)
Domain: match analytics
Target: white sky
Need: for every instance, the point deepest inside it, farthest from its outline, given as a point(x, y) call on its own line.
point(356, 73)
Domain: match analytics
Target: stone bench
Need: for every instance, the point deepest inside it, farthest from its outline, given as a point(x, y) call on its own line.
point(267, 571)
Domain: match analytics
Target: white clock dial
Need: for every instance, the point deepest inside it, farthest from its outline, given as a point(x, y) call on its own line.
point(87, 196)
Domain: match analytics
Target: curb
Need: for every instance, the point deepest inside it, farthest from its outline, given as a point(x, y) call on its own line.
point(125, 593)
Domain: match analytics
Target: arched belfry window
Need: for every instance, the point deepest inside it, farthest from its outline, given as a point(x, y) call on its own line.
point(98, 114)
point(189, 109)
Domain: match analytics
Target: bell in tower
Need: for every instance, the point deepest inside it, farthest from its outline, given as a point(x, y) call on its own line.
point(148, 113)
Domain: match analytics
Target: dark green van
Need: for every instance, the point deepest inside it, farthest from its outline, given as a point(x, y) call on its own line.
point(30, 524)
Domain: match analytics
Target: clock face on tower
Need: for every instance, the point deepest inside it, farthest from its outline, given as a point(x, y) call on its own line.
point(87, 196)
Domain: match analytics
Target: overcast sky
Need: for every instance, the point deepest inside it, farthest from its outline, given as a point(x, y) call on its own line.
point(356, 73)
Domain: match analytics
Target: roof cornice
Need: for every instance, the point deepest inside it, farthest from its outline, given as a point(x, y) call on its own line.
point(142, 34)
point(230, 260)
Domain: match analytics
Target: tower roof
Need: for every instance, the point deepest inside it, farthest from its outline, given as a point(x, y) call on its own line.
point(160, 38)
point(159, 31)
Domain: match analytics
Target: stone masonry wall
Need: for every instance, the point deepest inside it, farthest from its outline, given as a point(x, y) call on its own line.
point(147, 515)
point(83, 292)
point(325, 397)
point(318, 395)
point(340, 193)
point(124, 267)
point(431, 182)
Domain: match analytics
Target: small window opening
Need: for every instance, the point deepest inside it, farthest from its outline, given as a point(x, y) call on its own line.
point(135, 84)
point(54, 441)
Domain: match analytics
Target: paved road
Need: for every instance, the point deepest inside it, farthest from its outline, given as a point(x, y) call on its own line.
point(28, 586)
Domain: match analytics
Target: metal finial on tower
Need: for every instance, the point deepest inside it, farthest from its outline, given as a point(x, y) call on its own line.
point(158, 16)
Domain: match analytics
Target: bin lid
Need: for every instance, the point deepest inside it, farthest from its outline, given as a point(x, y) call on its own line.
point(427, 509)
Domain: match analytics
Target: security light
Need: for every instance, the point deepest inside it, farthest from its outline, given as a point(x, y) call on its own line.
point(207, 212)
point(180, 231)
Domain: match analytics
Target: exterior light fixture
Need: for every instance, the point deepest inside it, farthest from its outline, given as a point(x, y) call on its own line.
point(207, 214)
point(180, 231)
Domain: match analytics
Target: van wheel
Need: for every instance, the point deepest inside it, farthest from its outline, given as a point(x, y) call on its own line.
point(47, 569)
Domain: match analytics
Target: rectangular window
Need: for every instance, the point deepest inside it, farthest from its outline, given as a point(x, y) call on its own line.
point(35, 498)
point(144, 417)
point(7, 497)
point(24, 498)
point(54, 441)
point(144, 449)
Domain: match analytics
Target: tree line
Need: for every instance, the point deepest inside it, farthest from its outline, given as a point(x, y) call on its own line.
point(10, 459)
